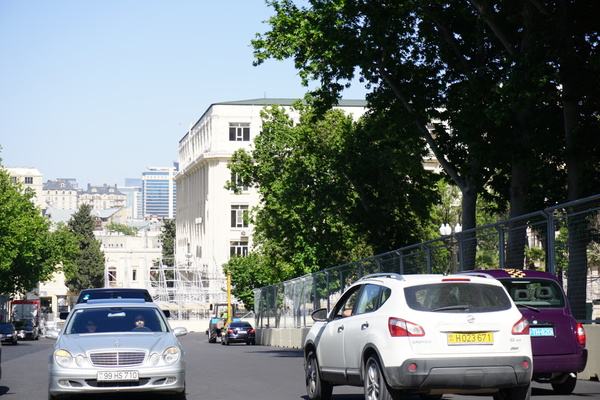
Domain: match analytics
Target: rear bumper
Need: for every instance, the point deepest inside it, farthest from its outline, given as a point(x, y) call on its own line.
point(461, 373)
point(560, 363)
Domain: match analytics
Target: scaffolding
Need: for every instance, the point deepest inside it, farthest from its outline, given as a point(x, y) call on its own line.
point(186, 289)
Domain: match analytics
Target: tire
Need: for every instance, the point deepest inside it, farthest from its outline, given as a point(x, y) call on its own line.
point(566, 387)
point(316, 388)
point(376, 388)
point(516, 393)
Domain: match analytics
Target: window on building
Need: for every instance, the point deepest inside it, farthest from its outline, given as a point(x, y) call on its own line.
point(239, 249)
point(134, 275)
point(239, 216)
point(239, 132)
point(112, 276)
point(239, 182)
point(29, 180)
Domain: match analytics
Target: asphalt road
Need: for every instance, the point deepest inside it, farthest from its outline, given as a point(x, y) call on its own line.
point(216, 372)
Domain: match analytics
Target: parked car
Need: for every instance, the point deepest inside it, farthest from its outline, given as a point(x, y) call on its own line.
point(103, 348)
point(8, 334)
point(238, 332)
point(557, 339)
point(113, 293)
point(27, 329)
point(420, 334)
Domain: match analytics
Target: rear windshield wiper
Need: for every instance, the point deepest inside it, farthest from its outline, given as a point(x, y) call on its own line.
point(449, 308)
point(532, 308)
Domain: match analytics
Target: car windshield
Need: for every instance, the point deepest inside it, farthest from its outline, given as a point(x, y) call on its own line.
point(538, 293)
point(23, 325)
point(115, 319)
point(457, 297)
point(6, 328)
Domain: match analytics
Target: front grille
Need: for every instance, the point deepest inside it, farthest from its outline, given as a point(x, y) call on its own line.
point(95, 383)
point(118, 358)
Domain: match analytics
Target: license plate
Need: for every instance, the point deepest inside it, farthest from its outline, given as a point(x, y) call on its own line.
point(541, 331)
point(242, 332)
point(471, 338)
point(104, 376)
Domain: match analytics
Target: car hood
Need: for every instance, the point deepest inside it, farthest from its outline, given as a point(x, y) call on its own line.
point(86, 343)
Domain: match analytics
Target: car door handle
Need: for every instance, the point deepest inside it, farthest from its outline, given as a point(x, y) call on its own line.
point(364, 326)
point(340, 328)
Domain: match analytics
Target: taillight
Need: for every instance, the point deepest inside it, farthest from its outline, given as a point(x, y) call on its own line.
point(400, 327)
point(251, 330)
point(230, 331)
point(580, 334)
point(521, 327)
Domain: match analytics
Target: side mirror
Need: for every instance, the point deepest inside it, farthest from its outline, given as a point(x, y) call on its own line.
point(319, 315)
point(52, 334)
point(179, 331)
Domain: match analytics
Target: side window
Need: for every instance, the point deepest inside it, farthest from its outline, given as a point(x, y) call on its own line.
point(346, 304)
point(369, 299)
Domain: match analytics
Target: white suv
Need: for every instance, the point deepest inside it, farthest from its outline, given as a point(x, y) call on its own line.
point(420, 334)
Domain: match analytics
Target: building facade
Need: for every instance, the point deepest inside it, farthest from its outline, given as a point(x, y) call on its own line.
point(102, 197)
point(61, 194)
point(31, 179)
point(159, 191)
point(211, 224)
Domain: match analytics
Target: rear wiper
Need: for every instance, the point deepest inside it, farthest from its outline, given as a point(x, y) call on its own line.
point(532, 308)
point(449, 308)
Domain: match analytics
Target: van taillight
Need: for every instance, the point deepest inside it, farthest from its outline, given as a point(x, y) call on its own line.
point(399, 327)
point(580, 334)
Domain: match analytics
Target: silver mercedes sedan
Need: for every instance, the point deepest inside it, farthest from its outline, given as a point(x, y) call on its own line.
point(116, 345)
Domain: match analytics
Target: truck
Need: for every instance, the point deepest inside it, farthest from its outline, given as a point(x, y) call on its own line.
point(26, 316)
point(220, 318)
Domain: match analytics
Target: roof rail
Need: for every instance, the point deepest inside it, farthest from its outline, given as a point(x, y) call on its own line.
point(383, 275)
point(480, 274)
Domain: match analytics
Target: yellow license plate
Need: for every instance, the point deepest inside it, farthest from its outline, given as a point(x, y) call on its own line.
point(471, 338)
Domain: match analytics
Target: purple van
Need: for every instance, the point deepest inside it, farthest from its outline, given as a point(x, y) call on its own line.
point(557, 340)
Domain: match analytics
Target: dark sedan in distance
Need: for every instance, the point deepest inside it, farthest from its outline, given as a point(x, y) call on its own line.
point(8, 334)
point(238, 332)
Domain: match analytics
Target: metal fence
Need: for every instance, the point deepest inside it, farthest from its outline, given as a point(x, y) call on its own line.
point(562, 240)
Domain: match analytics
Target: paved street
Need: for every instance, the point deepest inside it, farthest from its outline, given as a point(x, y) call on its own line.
point(216, 372)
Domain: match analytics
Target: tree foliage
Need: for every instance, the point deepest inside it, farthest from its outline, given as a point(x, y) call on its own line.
point(504, 93)
point(167, 238)
point(122, 228)
point(31, 250)
point(87, 269)
point(332, 190)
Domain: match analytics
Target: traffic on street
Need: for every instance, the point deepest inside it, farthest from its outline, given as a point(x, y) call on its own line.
point(216, 372)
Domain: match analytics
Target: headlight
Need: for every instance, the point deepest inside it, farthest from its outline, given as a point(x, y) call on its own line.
point(63, 358)
point(171, 355)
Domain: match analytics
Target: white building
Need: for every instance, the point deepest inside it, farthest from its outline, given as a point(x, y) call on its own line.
point(210, 224)
point(31, 179)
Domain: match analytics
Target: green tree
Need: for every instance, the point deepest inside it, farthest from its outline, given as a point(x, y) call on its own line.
point(30, 251)
point(87, 269)
point(167, 238)
point(248, 273)
point(122, 228)
point(483, 84)
point(331, 190)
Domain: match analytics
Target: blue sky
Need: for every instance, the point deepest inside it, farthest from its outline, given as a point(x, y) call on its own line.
point(98, 90)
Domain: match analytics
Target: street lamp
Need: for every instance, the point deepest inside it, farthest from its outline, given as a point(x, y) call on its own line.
point(447, 230)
